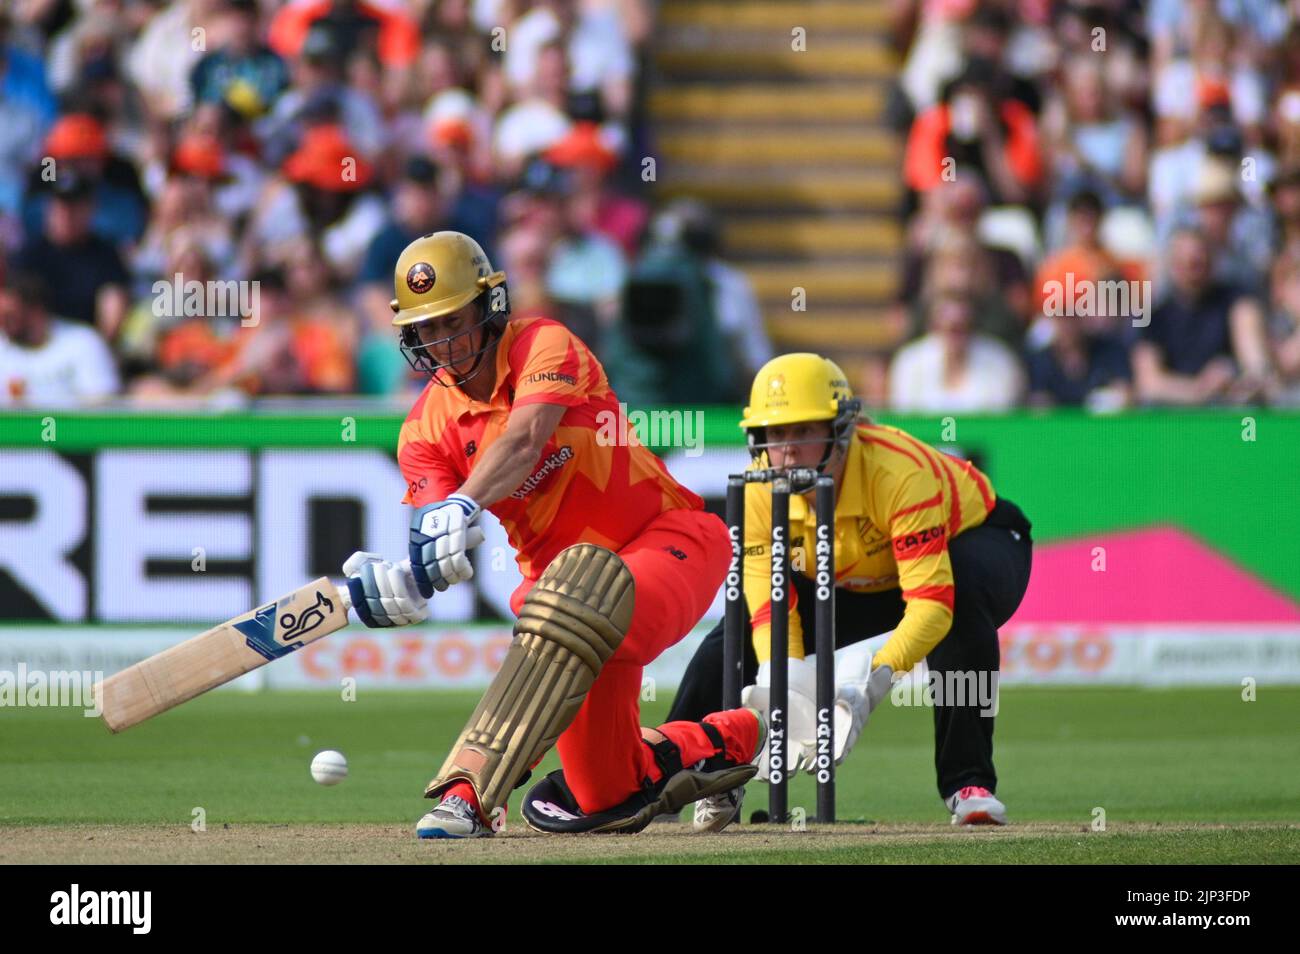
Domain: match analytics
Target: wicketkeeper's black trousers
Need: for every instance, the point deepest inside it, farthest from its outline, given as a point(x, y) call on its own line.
point(990, 565)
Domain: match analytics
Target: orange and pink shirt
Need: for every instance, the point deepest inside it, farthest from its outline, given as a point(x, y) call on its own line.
point(593, 483)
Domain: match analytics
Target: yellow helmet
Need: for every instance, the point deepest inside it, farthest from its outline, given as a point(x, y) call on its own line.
point(441, 272)
point(796, 387)
point(792, 388)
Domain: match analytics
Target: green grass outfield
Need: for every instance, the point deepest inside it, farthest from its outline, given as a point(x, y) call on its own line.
point(1183, 775)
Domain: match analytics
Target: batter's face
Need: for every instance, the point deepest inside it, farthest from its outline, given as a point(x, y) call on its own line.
point(453, 340)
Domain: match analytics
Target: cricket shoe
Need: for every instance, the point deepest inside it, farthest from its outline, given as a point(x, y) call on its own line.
point(550, 806)
point(976, 805)
point(716, 812)
point(453, 818)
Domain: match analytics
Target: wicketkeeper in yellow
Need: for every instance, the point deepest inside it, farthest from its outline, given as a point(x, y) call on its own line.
point(924, 547)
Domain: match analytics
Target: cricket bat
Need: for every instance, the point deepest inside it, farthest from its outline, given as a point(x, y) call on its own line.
point(213, 658)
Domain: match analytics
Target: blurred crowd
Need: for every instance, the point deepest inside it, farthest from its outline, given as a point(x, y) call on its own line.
point(1055, 149)
point(205, 198)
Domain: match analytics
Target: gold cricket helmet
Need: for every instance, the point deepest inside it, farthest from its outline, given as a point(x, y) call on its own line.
point(441, 272)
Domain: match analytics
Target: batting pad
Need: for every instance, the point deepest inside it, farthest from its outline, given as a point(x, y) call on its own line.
point(571, 622)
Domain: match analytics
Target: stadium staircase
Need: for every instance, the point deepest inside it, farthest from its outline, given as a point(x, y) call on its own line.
point(791, 149)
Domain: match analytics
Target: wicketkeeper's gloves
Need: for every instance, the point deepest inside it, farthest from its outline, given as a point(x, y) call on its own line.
point(854, 703)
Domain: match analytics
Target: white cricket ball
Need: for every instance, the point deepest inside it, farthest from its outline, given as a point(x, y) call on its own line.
point(329, 767)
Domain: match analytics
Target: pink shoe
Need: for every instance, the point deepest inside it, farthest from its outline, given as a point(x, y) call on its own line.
point(976, 805)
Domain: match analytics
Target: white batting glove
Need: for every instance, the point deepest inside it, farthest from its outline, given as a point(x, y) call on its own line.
point(442, 534)
point(383, 593)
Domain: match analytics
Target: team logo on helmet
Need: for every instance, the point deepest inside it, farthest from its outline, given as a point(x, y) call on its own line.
point(420, 278)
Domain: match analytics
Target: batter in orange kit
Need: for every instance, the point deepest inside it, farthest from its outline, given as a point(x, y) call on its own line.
point(619, 563)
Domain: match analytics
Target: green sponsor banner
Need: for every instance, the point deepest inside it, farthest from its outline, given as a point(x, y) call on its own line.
point(666, 428)
point(1229, 477)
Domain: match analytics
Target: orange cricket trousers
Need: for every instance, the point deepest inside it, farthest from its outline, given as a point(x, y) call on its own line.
point(678, 561)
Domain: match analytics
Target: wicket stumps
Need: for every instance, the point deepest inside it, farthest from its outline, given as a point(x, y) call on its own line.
point(824, 622)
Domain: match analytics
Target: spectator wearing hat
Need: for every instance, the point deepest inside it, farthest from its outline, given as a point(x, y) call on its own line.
point(215, 145)
point(78, 143)
point(186, 203)
point(1241, 236)
point(1212, 73)
point(1176, 168)
point(386, 31)
point(560, 265)
point(586, 154)
point(239, 71)
point(83, 272)
point(418, 208)
point(324, 191)
point(46, 361)
point(458, 131)
point(445, 84)
point(1205, 341)
point(1083, 258)
point(319, 94)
